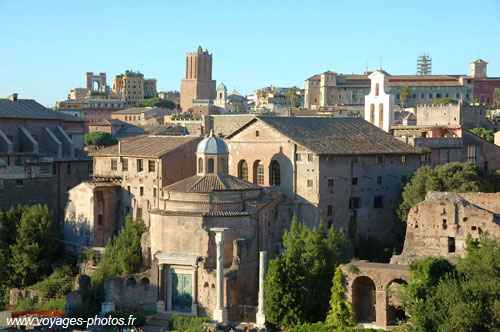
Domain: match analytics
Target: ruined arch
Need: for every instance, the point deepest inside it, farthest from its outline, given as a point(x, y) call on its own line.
point(394, 310)
point(364, 299)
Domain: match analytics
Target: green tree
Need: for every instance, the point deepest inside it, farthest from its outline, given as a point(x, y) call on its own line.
point(292, 96)
point(482, 132)
point(444, 101)
point(340, 314)
point(99, 139)
point(496, 95)
point(156, 102)
point(123, 255)
point(405, 94)
point(298, 283)
point(442, 297)
point(36, 247)
point(456, 177)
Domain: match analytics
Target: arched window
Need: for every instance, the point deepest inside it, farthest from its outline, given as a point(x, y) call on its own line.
point(210, 166)
point(376, 89)
point(258, 172)
point(243, 170)
point(220, 95)
point(275, 173)
point(372, 114)
point(381, 115)
point(200, 165)
point(220, 166)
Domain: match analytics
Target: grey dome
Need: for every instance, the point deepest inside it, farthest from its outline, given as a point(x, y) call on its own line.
point(212, 145)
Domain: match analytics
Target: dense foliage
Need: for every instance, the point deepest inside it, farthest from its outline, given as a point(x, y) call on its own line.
point(340, 313)
point(123, 255)
point(28, 247)
point(455, 177)
point(190, 324)
point(325, 327)
point(59, 283)
point(448, 298)
point(482, 132)
point(298, 283)
point(99, 139)
point(444, 101)
point(405, 93)
point(156, 102)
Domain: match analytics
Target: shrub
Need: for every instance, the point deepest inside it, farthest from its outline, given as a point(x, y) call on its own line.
point(25, 304)
point(191, 324)
point(325, 327)
point(57, 284)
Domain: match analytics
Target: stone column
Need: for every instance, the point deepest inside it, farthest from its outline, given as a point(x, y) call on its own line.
point(194, 304)
point(381, 307)
point(220, 313)
point(261, 317)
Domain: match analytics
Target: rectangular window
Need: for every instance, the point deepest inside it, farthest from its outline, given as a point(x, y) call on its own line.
point(309, 183)
point(114, 164)
point(128, 190)
point(140, 167)
point(403, 178)
point(379, 180)
point(141, 191)
point(422, 96)
point(472, 153)
point(151, 166)
point(354, 181)
point(330, 183)
point(329, 211)
point(403, 159)
point(451, 244)
point(310, 157)
point(423, 158)
point(68, 168)
point(124, 164)
point(19, 183)
point(378, 202)
point(354, 203)
point(99, 196)
point(380, 159)
point(154, 192)
point(298, 157)
point(99, 220)
point(430, 95)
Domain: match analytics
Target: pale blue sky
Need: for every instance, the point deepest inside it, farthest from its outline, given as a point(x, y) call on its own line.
point(47, 46)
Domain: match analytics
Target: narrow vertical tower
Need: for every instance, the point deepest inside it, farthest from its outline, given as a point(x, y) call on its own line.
point(379, 104)
point(198, 83)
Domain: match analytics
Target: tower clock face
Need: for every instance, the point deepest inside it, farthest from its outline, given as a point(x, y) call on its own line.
point(480, 70)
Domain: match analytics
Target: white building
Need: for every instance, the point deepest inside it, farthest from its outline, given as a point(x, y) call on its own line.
point(379, 103)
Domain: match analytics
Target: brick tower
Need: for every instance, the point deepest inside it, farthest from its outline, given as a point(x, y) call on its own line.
point(198, 83)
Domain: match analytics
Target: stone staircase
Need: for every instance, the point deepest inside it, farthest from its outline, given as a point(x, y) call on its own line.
point(158, 323)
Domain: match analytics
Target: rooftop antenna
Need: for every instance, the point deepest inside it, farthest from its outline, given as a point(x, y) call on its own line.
point(366, 71)
point(380, 62)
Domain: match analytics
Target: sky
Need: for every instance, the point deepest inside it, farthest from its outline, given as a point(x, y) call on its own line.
point(46, 47)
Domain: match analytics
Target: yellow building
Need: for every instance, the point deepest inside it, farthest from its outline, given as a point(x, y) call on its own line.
point(133, 87)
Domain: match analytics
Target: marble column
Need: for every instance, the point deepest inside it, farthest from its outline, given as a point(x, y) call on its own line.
point(261, 317)
point(194, 304)
point(220, 313)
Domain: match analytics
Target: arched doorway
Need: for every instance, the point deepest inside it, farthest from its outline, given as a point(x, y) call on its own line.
point(364, 299)
point(395, 312)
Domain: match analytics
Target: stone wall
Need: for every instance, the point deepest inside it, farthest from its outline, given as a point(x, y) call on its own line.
point(133, 292)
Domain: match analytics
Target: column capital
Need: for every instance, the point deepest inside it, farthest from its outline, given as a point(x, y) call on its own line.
point(219, 234)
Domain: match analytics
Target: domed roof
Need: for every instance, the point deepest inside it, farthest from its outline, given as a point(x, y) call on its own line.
point(222, 87)
point(212, 145)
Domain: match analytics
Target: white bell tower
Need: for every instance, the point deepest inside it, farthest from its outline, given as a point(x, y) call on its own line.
point(379, 103)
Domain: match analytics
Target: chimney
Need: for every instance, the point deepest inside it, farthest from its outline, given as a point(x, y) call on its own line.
point(119, 147)
point(13, 97)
